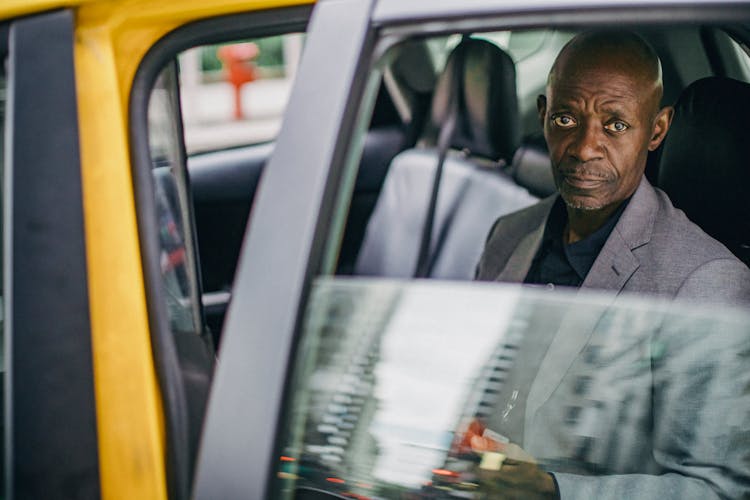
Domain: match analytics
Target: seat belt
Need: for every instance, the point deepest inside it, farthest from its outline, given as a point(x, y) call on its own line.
point(445, 137)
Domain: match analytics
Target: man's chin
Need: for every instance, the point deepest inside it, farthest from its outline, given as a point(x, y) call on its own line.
point(582, 202)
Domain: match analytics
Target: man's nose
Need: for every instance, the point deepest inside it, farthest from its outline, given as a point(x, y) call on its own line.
point(587, 143)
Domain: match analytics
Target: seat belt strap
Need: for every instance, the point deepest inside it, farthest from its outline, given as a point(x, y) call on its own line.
point(445, 138)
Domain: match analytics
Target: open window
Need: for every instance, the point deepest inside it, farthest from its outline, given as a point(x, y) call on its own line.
point(206, 105)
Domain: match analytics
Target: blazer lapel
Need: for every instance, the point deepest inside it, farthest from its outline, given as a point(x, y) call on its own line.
point(614, 265)
point(519, 263)
point(573, 333)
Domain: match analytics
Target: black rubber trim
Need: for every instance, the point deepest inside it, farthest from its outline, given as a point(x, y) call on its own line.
point(4, 27)
point(51, 418)
point(167, 361)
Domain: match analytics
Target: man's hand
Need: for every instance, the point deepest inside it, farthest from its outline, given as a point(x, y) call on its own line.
point(517, 480)
point(518, 477)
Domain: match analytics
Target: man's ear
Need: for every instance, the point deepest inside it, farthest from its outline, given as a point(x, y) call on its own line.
point(541, 107)
point(661, 126)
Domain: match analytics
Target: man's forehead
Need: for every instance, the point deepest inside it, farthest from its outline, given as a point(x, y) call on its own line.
point(610, 55)
point(617, 105)
point(610, 80)
point(613, 82)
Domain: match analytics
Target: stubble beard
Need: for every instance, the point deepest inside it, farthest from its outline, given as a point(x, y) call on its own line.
point(582, 205)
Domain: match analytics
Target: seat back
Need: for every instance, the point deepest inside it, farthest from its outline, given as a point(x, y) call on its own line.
point(473, 190)
point(705, 161)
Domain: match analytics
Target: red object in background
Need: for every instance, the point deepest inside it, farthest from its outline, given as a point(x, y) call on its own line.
point(237, 60)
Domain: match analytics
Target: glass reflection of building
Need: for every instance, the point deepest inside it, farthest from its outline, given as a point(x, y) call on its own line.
point(453, 478)
point(338, 450)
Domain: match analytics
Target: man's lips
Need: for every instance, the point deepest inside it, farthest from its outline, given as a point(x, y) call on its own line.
point(580, 180)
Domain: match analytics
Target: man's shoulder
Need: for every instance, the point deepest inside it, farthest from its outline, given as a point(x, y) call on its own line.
point(700, 266)
point(674, 230)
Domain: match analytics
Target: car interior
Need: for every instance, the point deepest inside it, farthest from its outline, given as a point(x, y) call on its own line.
point(464, 105)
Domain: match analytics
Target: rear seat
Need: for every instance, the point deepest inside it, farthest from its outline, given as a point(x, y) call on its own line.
point(476, 186)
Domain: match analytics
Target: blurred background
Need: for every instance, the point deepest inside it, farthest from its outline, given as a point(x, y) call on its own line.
point(235, 94)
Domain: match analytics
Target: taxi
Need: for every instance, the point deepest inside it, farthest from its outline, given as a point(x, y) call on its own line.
point(239, 242)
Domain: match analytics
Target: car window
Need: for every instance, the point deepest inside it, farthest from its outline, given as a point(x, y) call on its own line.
point(177, 254)
point(234, 94)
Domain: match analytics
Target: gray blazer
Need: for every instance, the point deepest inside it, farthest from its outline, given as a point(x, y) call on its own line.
point(666, 411)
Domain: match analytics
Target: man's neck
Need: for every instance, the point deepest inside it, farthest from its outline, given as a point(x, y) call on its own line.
point(582, 223)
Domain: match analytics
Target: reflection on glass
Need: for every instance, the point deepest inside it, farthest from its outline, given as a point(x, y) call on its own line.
point(456, 390)
point(172, 203)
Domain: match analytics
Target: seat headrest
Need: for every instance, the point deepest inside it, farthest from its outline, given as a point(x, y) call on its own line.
point(705, 162)
point(487, 124)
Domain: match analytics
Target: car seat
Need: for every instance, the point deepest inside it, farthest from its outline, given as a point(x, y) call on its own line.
point(473, 191)
point(704, 162)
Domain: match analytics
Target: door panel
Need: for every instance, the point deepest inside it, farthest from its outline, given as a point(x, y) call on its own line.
point(52, 434)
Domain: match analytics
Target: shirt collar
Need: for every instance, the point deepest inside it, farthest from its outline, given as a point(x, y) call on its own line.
point(581, 254)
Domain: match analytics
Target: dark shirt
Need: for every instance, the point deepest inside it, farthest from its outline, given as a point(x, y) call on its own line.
point(567, 265)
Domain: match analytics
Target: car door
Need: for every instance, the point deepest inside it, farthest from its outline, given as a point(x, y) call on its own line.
point(298, 340)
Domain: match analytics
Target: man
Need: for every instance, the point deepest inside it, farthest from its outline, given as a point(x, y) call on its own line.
point(610, 229)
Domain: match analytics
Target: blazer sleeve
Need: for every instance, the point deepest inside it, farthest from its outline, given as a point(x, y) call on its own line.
point(725, 280)
point(701, 417)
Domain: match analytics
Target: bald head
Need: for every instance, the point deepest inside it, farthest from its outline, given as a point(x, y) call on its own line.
point(601, 117)
point(616, 51)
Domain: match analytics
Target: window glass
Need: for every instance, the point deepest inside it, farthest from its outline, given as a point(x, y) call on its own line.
point(396, 377)
point(177, 261)
point(235, 93)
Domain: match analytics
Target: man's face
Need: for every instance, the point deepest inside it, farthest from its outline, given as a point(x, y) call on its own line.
point(599, 123)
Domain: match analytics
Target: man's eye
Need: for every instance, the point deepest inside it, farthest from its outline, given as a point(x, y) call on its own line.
point(616, 127)
point(563, 121)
